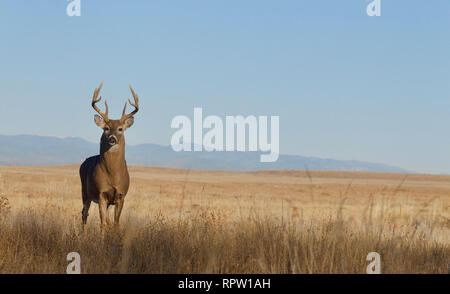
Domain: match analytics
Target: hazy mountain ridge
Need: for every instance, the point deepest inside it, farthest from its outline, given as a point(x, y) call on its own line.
point(44, 150)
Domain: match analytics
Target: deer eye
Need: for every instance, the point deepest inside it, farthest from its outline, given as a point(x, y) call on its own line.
point(120, 129)
point(106, 129)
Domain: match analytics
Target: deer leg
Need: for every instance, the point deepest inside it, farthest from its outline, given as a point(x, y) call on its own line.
point(85, 213)
point(102, 206)
point(117, 212)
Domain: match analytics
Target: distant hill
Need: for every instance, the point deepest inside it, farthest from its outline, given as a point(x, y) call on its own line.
point(41, 150)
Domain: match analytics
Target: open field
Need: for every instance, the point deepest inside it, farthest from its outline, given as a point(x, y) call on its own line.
point(180, 221)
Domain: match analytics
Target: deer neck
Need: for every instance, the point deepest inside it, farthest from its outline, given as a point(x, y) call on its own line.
point(113, 158)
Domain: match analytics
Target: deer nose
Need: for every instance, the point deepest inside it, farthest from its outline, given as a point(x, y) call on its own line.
point(112, 140)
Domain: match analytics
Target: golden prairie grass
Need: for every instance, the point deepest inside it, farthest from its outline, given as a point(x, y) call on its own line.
point(175, 221)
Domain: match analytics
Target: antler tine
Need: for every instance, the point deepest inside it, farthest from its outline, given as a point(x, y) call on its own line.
point(135, 105)
point(124, 109)
point(95, 101)
point(136, 98)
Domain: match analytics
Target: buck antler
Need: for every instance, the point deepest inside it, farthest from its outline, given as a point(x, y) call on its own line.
point(95, 100)
point(136, 106)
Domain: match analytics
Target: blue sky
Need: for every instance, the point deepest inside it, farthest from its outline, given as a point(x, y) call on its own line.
point(345, 85)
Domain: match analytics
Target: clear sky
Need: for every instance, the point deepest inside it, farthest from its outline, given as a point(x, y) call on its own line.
point(345, 85)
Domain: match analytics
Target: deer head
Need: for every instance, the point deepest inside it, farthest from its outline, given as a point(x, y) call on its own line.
point(113, 130)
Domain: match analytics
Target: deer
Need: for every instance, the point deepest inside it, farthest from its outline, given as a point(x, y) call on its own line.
point(104, 177)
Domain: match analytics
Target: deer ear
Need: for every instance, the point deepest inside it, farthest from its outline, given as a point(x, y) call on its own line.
point(129, 122)
point(99, 121)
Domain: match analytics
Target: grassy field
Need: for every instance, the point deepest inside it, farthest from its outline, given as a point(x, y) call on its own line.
point(180, 221)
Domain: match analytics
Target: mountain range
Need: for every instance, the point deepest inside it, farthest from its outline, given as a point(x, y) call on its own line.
point(43, 150)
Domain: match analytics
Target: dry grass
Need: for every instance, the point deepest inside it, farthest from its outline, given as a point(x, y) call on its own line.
point(220, 222)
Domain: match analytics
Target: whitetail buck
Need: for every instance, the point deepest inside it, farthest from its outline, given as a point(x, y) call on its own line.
point(104, 178)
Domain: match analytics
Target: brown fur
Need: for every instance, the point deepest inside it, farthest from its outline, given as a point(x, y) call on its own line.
point(104, 178)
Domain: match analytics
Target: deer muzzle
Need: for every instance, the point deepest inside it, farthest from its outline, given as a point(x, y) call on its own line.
point(112, 140)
